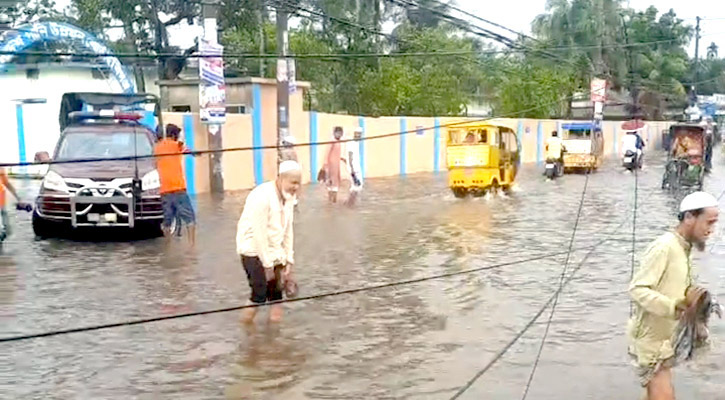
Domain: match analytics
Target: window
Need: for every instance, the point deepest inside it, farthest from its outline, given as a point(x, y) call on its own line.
point(103, 144)
point(236, 109)
point(484, 136)
point(181, 108)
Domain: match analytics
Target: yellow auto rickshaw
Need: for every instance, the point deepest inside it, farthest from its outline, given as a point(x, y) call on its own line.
point(481, 157)
point(584, 143)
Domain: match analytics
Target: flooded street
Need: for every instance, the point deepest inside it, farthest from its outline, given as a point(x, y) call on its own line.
point(420, 341)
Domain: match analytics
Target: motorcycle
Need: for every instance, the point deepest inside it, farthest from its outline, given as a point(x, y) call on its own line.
point(630, 161)
point(553, 169)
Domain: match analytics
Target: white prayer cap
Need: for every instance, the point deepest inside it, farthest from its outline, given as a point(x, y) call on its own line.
point(290, 139)
point(697, 200)
point(289, 166)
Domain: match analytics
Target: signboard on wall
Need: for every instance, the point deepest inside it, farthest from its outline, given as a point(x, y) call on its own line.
point(212, 93)
point(24, 36)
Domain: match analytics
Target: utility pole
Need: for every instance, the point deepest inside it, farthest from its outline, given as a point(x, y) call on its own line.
point(209, 14)
point(282, 79)
point(631, 75)
point(697, 55)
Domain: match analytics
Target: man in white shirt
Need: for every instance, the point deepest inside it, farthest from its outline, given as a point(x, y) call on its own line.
point(265, 238)
point(632, 142)
point(352, 154)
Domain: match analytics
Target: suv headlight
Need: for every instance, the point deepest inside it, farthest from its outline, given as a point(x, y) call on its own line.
point(151, 181)
point(53, 181)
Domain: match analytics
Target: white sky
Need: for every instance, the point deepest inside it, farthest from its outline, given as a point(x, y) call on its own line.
point(518, 14)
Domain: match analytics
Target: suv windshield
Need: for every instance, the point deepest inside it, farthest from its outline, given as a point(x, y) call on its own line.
point(77, 145)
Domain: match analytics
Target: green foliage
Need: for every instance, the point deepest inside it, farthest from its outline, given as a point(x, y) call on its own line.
point(533, 90)
point(25, 11)
point(575, 41)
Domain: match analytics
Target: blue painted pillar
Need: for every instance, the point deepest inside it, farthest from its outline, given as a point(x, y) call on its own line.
point(149, 120)
point(520, 133)
point(22, 157)
point(403, 145)
point(189, 161)
point(539, 142)
point(313, 147)
point(363, 160)
point(436, 145)
point(258, 153)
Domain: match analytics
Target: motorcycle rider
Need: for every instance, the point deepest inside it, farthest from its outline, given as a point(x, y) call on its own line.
point(632, 142)
point(555, 149)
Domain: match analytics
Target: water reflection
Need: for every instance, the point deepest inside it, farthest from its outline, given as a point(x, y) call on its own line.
point(420, 341)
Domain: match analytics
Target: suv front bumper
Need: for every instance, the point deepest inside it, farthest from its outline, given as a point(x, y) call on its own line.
point(118, 210)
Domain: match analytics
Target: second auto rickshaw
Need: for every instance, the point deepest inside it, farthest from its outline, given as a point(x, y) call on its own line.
point(584, 144)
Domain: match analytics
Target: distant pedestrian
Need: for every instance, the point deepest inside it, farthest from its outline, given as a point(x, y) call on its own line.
point(352, 154)
point(333, 164)
point(265, 238)
point(174, 198)
point(663, 289)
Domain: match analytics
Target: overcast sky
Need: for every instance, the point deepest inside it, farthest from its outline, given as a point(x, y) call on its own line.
point(518, 14)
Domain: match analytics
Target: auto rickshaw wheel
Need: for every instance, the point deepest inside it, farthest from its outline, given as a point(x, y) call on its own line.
point(459, 192)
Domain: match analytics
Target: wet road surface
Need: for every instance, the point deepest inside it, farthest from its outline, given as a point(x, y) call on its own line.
point(420, 341)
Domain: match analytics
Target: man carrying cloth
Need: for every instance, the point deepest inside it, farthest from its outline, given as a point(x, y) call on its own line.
point(662, 289)
point(265, 238)
point(174, 199)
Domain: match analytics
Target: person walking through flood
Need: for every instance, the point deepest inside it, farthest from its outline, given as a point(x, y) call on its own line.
point(662, 289)
point(265, 239)
point(333, 165)
point(352, 155)
point(174, 198)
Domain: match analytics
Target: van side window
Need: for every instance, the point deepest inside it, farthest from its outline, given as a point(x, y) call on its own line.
point(484, 136)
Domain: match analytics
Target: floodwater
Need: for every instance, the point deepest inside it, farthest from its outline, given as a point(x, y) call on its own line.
point(420, 341)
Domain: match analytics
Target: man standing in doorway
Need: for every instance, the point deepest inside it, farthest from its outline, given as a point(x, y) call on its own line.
point(265, 238)
point(333, 164)
point(174, 199)
point(352, 153)
point(662, 289)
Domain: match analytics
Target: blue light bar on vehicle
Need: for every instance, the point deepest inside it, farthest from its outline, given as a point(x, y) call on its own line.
point(105, 114)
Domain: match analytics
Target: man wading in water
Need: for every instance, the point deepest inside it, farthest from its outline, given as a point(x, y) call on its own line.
point(265, 238)
point(662, 289)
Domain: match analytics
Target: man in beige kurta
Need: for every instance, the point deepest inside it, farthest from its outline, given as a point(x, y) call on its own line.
point(659, 291)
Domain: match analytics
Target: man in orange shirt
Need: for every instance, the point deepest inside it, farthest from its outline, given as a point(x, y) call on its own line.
point(4, 221)
point(174, 199)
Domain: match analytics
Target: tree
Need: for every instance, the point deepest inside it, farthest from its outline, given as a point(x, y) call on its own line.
point(587, 33)
point(27, 11)
point(712, 51)
point(633, 50)
point(144, 30)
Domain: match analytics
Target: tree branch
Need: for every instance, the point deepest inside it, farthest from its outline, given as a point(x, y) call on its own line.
point(178, 18)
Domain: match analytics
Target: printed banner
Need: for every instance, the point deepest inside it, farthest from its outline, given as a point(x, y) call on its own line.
point(212, 91)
